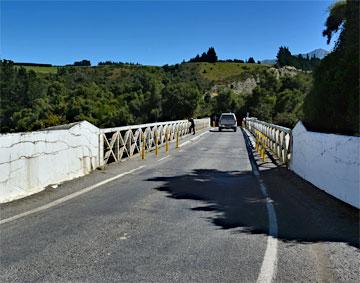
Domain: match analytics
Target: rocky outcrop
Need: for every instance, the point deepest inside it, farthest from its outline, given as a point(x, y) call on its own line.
point(246, 86)
point(240, 87)
point(286, 71)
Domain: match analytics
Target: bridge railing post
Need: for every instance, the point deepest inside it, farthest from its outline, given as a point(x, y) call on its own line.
point(276, 139)
point(117, 144)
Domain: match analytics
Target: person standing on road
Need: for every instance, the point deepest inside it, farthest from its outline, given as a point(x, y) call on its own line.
point(192, 125)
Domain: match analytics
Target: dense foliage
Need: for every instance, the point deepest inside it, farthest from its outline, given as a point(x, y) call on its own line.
point(121, 94)
point(105, 96)
point(333, 103)
point(82, 63)
point(285, 58)
point(277, 101)
point(32, 64)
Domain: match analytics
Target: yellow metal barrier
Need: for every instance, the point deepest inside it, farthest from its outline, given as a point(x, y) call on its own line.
point(143, 147)
point(177, 139)
point(156, 145)
point(167, 142)
point(260, 146)
point(274, 138)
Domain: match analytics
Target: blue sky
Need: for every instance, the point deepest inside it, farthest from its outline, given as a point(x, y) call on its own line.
point(157, 32)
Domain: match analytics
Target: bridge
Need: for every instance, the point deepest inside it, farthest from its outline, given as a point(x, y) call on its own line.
point(166, 206)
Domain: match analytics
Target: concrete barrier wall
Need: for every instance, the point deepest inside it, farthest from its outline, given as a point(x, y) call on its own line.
point(330, 162)
point(31, 161)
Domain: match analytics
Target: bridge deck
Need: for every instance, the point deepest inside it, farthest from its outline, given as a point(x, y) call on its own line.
point(198, 215)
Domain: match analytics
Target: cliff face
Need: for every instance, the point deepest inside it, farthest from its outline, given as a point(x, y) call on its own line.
point(245, 86)
point(248, 83)
point(286, 71)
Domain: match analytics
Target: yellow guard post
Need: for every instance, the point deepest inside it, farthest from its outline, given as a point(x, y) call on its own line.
point(177, 139)
point(143, 147)
point(167, 141)
point(156, 145)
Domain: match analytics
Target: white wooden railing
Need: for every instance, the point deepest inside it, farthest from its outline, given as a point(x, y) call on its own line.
point(117, 144)
point(276, 138)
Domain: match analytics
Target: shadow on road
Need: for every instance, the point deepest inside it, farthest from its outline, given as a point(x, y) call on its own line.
point(304, 213)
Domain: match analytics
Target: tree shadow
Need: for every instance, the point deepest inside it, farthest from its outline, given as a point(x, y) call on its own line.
point(234, 201)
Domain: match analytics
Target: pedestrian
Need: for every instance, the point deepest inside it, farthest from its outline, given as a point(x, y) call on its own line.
point(192, 125)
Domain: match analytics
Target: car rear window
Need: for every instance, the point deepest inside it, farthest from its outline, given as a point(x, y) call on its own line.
point(227, 117)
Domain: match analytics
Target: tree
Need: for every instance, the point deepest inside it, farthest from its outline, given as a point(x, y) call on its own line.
point(336, 18)
point(211, 55)
point(333, 103)
point(251, 60)
point(283, 57)
point(226, 101)
point(179, 101)
point(82, 63)
point(203, 57)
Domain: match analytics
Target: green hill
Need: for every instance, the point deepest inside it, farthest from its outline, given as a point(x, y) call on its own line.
point(34, 97)
point(223, 72)
point(41, 69)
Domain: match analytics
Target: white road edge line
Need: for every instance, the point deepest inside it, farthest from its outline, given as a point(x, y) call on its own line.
point(68, 197)
point(161, 159)
point(193, 139)
point(269, 264)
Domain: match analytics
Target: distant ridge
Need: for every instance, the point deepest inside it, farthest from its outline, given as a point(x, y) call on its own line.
point(318, 53)
point(268, 61)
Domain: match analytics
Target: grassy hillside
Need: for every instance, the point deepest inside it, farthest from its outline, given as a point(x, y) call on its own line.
point(223, 72)
point(114, 95)
point(213, 72)
point(41, 69)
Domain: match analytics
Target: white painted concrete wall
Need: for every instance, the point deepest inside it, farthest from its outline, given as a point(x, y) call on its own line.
point(31, 161)
point(330, 162)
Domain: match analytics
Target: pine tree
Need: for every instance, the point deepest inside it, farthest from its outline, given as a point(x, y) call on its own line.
point(211, 55)
point(251, 60)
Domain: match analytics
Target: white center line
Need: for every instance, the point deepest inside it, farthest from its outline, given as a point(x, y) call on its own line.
point(68, 197)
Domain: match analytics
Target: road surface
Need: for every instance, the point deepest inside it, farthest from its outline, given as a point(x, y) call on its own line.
point(202, 214)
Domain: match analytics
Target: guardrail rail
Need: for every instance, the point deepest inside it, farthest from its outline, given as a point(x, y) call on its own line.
point(121, 143)
point(276, 138)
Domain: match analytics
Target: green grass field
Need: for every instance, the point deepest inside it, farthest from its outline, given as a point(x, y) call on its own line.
point(218, 72)
point(223, 71)
point(38, 69)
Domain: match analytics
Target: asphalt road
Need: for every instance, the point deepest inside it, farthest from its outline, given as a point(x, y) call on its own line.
point(198, 215)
